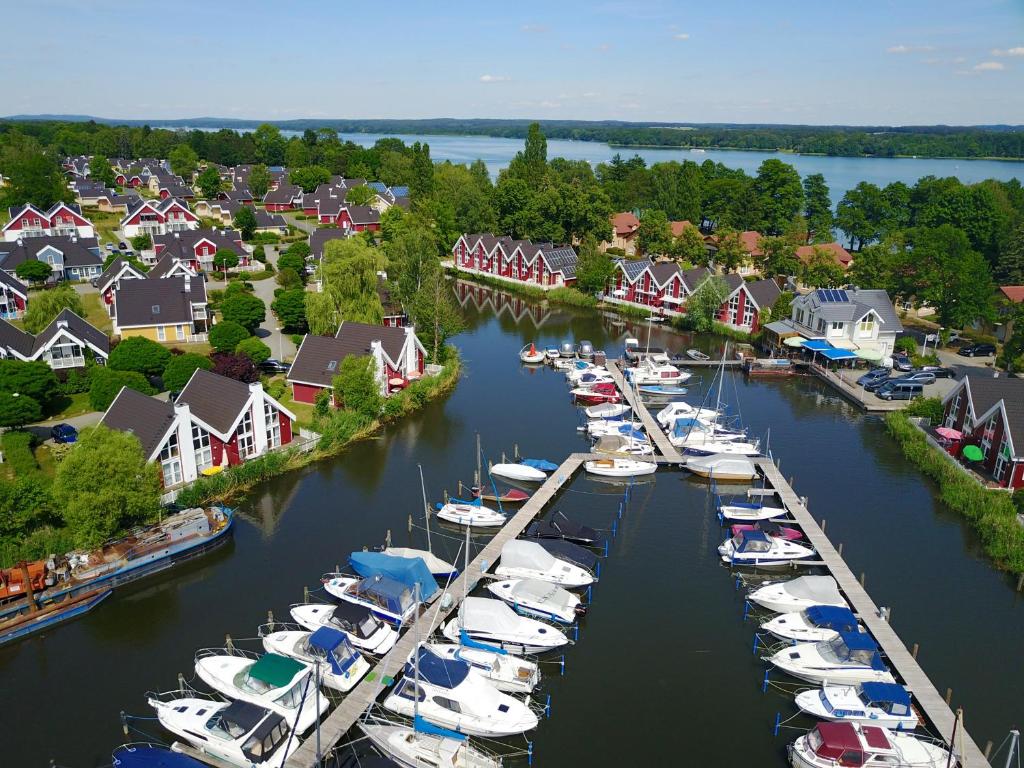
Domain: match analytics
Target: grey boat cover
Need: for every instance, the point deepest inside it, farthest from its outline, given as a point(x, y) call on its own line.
point(542, 593)
point(822, 590)
point(483, 614)
point(526, 554)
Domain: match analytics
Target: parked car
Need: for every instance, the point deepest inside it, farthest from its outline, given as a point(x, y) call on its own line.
point(954, 336)
point(64, 433)
point(902, 363)
point(875, 374)
point(920, 377)
point(110, 247)
point(274, 366)
point(900, 389)
point(940, 371)
point(977, 350)
point(875, 384)
point(122, 246)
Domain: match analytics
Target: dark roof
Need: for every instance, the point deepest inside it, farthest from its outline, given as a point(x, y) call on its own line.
point(77, 326)
point(111, 272)
point(318, 237)
point(14, 284)
point(285, 193)
point(164, 265)
point(265, 219)
point(16, 339)
point(663, 271)
point(694, 277)
point(633, 268)
point(363, 214)
point(145, 417)
point(562, 258)
point(764, 292)
point(156, 302)
point(215, 399)
point(733, 281)
point(182, 243)
point(319, 357)
point(77, 251)
point(987, 390)
point(359, 335)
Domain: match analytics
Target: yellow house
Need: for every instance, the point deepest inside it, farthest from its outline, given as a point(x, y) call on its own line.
point(171, 310)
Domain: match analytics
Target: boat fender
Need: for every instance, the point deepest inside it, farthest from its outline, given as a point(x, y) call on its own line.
point(438, 506)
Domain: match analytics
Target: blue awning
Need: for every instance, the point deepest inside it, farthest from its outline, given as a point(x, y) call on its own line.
point(832, 617)
point(408, 571)
point(816, 344)
point(838, 354)
point(147, 756)
point(885, 692)
point(327, 638)
point(445, 673)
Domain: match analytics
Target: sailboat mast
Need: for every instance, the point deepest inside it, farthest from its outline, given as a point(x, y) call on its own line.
point(1014, 740)
point(416, 665)
point(479, 466)
point(426, 507)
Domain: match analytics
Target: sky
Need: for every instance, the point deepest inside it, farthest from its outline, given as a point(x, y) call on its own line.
point(905, 62)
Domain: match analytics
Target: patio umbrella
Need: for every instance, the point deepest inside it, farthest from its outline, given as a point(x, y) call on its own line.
point(872, 355)
point(794, 341)
point(972, 453)
point(948, 433)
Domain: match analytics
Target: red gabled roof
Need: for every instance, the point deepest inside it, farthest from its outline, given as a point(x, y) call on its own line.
point(625, 223)
point(840, 254)
point(1014, 293)
point(678, 226)
point(750, 239)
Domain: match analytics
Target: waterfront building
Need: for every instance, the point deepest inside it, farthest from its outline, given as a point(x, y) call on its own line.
point(989, 411)
point(520, 261)
point(68, 341)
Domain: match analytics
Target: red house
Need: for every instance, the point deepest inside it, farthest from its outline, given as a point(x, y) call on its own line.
point(60, 219)
point(119, 270)
point(285, 197)
point(746, 301)
point(158, 217)
point(13, 297)
point(197, 247)
point(522, 261)
point(989, 412)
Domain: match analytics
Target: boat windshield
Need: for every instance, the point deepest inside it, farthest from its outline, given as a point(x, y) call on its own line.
point(291, 698)
point(225, 729)
point(834, 650)
point(265, 741)
point(825, 702)
point(744, 544)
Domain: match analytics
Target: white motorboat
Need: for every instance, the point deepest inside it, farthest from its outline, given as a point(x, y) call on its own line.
point(835, 744)
point(850, 657)
point(451, 694)
point(530, 354)
point(577, 376)
point(503, 670)
point(606, 410)
point(623, 446)
point(552, 353)
point(798, 594)
point(620, 467)
point(237, 732)
point(364, 630)
point(341, 665)
point(755, 548)
point(602, 427)
point(270, 681)
point(520, 472)
point(696, 354)
point(438, 568)
point(819, 622)
point(521, 559)
point(490, 621)
point(886, 705)
point(699, 440)
point(750, 512)
point(722, 467)
point(668, 415)
point(538, 598)
point(649, 371)
point(419, 748)
point(386, 598)
point(472, 514)
point(591, 379)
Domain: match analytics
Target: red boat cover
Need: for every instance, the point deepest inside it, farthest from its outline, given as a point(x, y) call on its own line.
point(875, 737)
point(836, 738)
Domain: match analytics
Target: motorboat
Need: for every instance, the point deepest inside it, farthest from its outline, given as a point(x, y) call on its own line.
point(341, 665)
point(886, 705)
point(237, 732)
point(599, 393)
point(530, 354)
point(620, 467)
point(750, 511)
point(769, 527)
point(699, 439)
point(144, 755)
point(648, 371)
point(819, 622)
point(667, 416)
point(715, 447)
point(758, 549)
point(634, 353)
point(696, 354)
point(575, 375)
point(722, 467)
point(850, 657)
point(551, 352)
point(271, 681)
point(542, 599)
point(364, 630)
point(508, 496)
point(834, 744)
point(438, 568)
point(602, 427)
point(452, 694)
point(567, 349)
point(558, 526)
point(591, 379)
point(661, 390)
point(585, 350)
point(423, 746)
point(798, 594)
point(469, 513)
point(571, 553)
point(504, 671)
point(523, 559)
point(686, 426)
point(623, 446)
point(575, 367)
point(521, 472)
point(383, 596)
point(491, 621)
point(606, 410)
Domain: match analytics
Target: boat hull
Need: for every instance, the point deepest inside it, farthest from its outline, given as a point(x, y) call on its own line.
point(49, 616)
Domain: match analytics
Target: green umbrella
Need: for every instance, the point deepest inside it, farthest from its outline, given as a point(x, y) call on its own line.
point(972, 453)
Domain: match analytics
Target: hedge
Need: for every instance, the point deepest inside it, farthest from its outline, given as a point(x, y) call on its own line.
point(18, 454)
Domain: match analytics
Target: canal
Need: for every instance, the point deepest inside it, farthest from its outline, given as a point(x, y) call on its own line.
point(663, 669)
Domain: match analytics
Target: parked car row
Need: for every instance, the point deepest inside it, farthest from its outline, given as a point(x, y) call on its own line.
point(906, 387)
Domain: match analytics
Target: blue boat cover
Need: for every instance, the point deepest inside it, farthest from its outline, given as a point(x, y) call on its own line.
point(469, 642)
point(446, 673)
point(581, 364)
point(832, 617)
point(816, 344)
point(627, 431)
point(838, 354)
point(327, 639)
point(423, 726)
point(138, 756)
point(859, 641)
point(407, 571)
point(541, 464)
point(335, 644)
point(477, 502)
point(889, 693)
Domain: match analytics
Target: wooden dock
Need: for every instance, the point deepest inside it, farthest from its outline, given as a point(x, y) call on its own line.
point(654, 431)
point(933, 705)
point(357, 701)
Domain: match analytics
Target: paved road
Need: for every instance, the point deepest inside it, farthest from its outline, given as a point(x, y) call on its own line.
point(280, 344)
point(303, 224)
point(42, 429)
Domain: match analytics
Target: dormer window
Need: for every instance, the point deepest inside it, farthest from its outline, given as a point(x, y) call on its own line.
point(155, 309)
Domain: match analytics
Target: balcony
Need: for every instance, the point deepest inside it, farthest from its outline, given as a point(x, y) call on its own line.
point(66, 362)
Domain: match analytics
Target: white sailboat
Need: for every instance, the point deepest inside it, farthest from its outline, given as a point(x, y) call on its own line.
point(470, 513)
point(606, 410)
point(520, 472)
point(522, 559)
point(620, 467)
point(504, 671)
point(668, 415)
point(538, 598)
point(722, 467)
point(422, 746)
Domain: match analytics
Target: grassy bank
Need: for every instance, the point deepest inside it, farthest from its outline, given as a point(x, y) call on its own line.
point(991, 513)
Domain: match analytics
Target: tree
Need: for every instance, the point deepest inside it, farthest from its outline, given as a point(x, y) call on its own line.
point(209, 182)
point(348, 276)
point(290, 308)
point(105, 383)
point(17, 410)
point(245, 309)
point(104, 484)
point(309, 177)
point(1011, 358)
point(780, 257)
point(689, 247)
point(33, 271)
point(594, 269)
point(235, 366)
point(531, 164)
point(299, 248)
point(44, 307)
point(357, 387)
point(269, 143)
point(361, 195)
point(142, 242)
point(782, 309)
point(421, 183)
point(183, 160)
point(225, 259)
point(259, 181)
point(100, 171)
point(245, 221)
point(181, 367)
point(32, 176)
point(141, 355)
point(731, 254)
point(226, 335)
point(655, 234)
point(817, 208)
point(703, 304)
point(33, 379)
point(861, 213)
point(293, 261)
point(1010, 265)
point(288, 278)
point(880, 265)
point(435, 312)
point(412, 253)
point(255, 349)
point(822, 270)
point(780, 193)
point(951, 276)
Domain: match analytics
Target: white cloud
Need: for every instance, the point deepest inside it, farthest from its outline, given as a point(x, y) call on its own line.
point(909, 48)
point(681, 36)
point(494, 78)
point(989, 66)
point(1018, 51)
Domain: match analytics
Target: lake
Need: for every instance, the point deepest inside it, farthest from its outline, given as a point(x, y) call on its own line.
point(662, 673)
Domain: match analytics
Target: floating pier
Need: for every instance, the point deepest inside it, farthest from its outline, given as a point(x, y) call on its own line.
point(654, 431)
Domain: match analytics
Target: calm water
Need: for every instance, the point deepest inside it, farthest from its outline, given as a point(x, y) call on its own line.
point(663, 649)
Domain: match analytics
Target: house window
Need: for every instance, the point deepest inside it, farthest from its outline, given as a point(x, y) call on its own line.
point(821, 325)
point(170, 463)
point(954, 409)
point(273, 425)
point(866, 328)
point(748, 315)
point(201, 446)
point(161, 333)
point(1002, 460)
point(836, 328)
point(734, 308)
point(246, 442)
point(986, 437)
point(180, 332)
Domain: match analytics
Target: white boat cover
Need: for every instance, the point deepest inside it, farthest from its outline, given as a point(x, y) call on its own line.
point(724, 464)
point(820, 589)
point(526, 554)
point(484, 614)
point(537, 592)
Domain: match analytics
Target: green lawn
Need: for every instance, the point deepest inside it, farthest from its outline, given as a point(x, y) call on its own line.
point(303, 411)
point(71, 405)
point(105, 224)
point(96, 313)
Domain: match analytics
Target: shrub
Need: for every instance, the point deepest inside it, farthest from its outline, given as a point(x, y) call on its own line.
point(906, 344)
point(245, 309)
point(288, 278)
point(17, 410)
point(356, 385)
point(180, 369)
point(256, 350)
point(141, 355)
point(277, 388)
point(259, 253)
point(142, 242)
point(928, 407)
point(33, 379)
point(107, 382)
point(292, 261)
point(235, 366)
point(322, 403)
point(572, 297)
point(225, 336)
point(18, 454)
point(74, 380)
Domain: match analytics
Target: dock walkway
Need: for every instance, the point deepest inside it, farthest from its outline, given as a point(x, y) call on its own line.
point(651, 426)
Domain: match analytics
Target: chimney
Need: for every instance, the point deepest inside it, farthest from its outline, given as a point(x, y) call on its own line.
point(177, 235)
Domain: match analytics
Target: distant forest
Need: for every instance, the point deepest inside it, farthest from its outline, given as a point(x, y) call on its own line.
point(997, 141)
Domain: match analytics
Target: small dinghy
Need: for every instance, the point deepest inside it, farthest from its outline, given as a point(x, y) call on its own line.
point(755, 548)
point(771, 528)
point(522, 559)
point(507, 496)
point(438, 568)
point(831, 744)
point(341, 665)
point(606, 411)
point(469, 513)
point(798, 594)
point(269, 681)
point(552, 353)
point(522, 472)
point(451, 694)
point(696, 354)
point(747, 511)
point(542, 599)
point(819, 622)
point(504, 671)
point(599, 393)
point(722, 467)
point(530, 354)
point(364, 630)
point(620, 467)
point(237, 732)
point(558, 526)
point(886, 705)
point(661, 390)
point(850, 657)
point(423, 745)
point(491, 621)
point(386, 598)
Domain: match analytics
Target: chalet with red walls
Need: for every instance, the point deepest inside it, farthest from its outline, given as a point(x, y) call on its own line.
point(158, 217)
point(746, 302)
point(197, 247)
point(119, 269)
point(59, 220)
point(990, 414)
point(358, 218)
point(286, 197)
point(215, 422)
point(521, 261)
point(661, 286)
point(13, 297)
point(842, 256)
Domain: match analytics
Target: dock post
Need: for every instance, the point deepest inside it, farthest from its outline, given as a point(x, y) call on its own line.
point(181, 682)
point(305, 594)
point(124, 722)
point(410, 524)
point(229, 643)
point(863, 578)
point(988, 749)
point(840, 548)
point(1020, 582)
point(764, 683)
point(778, 724)
point(757, 638)
point(949, 696)
point(915, 649)
point(823, 521)
point(270, 620)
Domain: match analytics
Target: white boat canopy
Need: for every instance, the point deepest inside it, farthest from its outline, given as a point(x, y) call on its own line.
point(526, 554)
point(489, 615)
point(537, 592)
point(820, 589)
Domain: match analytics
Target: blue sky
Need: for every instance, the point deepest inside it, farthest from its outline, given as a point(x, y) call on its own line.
point(865, 62)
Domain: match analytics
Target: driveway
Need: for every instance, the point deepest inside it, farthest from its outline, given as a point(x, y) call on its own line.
point(42, 429)
point(280, 344)
point(303, 224)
